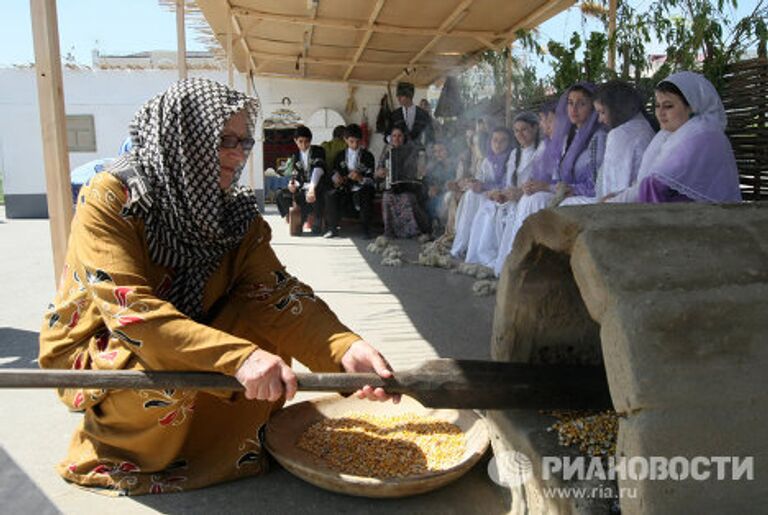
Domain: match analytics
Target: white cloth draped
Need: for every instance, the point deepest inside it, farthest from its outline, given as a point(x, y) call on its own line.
point(488, 226)
point(527, 205)
point(624, 149)
point(530, 204)
point(468, 207)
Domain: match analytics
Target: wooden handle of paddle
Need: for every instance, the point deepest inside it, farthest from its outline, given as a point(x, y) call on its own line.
point(149, 380)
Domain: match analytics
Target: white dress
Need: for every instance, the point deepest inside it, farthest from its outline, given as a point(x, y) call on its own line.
point(468, 207)
point(624, 149)
point(488, 226)
point(591, 158)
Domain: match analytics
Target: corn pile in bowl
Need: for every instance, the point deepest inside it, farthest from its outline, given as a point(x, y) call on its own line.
point(385, 446)
point(287, 426)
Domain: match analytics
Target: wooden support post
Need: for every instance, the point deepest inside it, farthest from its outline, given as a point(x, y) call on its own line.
point(508, 90)
point(53, 122)
point(612, 35)
point(181, 40)
point(249, 92)
point(230, 57)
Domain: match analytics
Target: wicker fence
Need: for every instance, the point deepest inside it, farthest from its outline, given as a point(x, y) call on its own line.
point(745, 97)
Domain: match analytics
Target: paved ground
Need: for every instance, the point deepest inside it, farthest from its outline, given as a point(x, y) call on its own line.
point(410, 313)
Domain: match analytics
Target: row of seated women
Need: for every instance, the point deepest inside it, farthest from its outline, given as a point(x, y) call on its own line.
point(596, 145)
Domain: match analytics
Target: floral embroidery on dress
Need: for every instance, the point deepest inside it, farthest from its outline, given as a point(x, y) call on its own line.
point(108, 467)
point(169, 479)
point(97, 277)
point(53, 316)
point(164, 484)
point(121, 294)
point(120, 335)
point(127, 312)
point(179, 407)
point(101, 341)
point(122, 474)
point(296, 293)
point(288, 289)
point(250, 453)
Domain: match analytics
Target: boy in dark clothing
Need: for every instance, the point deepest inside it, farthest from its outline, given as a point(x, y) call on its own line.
point(352, 184)
point(308, 182)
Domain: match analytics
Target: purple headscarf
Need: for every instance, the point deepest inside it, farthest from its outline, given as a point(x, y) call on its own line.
point(697, 159)
point(553, 162)
point(499, 161)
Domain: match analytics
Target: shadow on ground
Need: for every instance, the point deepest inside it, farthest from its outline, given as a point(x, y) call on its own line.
point(18, 348)
point(440, 303)
point(18, 492)
point(266, 494)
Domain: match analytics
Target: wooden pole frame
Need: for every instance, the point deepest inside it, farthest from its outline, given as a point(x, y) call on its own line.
point(251, 165)
point(366, 37)
point(445, 28)
point(611, 35)
point(181, 40)
point(53, 124)
point(230, 57)
point(361, 26)
point(509, 63)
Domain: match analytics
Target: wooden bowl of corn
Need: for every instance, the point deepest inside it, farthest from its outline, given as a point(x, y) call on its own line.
point(372, 449)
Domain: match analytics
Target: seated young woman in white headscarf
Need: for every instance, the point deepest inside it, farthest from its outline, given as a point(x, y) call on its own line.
point(571, 160)
point(620, 108)
point(492, 172)
point(498, 205)
point(690, 159)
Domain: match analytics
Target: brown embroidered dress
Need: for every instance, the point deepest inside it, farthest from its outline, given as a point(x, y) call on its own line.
point(110, 313)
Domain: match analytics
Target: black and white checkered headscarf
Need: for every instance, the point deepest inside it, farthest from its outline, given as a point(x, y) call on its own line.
point(172, 173)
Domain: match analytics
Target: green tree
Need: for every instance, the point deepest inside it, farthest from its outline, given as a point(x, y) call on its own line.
point(565, 66)
point(699, 35)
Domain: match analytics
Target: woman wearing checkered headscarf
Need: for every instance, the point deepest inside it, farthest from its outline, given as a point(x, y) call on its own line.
point(169, 267)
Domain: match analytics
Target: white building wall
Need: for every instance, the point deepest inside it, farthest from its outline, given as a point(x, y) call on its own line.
point(113, 96)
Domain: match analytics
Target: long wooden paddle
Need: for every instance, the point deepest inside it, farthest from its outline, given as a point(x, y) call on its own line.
point(436, 383)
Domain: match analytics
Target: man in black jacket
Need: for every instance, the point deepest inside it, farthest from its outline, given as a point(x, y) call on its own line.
point(352, 185)
point(416, 119)
point(308, 180)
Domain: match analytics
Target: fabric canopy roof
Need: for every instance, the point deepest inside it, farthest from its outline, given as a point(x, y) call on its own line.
point(368, 41)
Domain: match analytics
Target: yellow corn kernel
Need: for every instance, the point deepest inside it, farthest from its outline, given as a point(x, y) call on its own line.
point(395, 446)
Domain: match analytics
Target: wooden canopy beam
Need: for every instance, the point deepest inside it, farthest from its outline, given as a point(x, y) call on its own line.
point(53, 123)
point(254, 38)
point(366, 37)
point(266, 56)
point(445, 28)
point(359, 26)
point(308, 35)
point(487, 43)
point(236, 35)
point(325, 79)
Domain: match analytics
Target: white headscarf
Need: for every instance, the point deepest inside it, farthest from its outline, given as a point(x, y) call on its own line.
point(701, 96)
point(697, 159)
